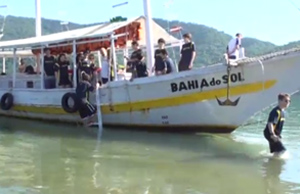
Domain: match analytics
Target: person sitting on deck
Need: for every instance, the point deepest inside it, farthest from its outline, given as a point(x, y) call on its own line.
point(49, 69)
point(159, 64)
point(187, 53)
point(233, 46)
point(62, 69)
point(86, 109)
point(29, 70)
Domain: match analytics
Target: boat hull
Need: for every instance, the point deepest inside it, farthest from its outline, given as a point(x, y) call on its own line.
point(182, 102)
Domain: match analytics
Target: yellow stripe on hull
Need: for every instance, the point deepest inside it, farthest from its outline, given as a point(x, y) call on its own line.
point(159, 103)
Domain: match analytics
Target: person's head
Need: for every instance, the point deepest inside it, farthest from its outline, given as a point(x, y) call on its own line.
point(85, 76)
point(79, 57)
point(161, 43)
point(103, 52)
point(135, 45)
point(47, 51)
point(62, 58)
point(164, 53)
point(86, 53)
point(92, 57)
point(187, 37)
point(239, 35)
point(22, 62)
point(284, 100)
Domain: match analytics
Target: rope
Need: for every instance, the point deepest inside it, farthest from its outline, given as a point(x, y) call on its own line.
point(263, 89)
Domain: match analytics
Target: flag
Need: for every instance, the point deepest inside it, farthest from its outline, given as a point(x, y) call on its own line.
point(176, 29)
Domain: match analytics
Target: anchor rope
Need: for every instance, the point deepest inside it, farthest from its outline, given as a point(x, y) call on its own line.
point(263, 90)
point(263, 87)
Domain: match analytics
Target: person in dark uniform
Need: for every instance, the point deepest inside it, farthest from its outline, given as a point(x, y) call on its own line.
point(188, 53)
point(84, 65)
point(159, 64)
point(168, 63)
point(275, 123)
point(49, 70)
point(62, 67)
point(136, 56)
point(86, 109)
point(135, 64)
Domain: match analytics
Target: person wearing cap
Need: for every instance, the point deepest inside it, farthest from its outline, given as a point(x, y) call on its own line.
point(187, 54)
point(49, 69)
point(159, 64)
point(233, 46)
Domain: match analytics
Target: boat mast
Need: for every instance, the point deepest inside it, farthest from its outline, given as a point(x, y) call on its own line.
point(38, 21)
point(149, 34)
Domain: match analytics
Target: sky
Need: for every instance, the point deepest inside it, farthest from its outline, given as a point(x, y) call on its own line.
point(276, 21)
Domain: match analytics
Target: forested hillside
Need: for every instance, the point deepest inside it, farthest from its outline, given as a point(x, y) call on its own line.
point(210, 42)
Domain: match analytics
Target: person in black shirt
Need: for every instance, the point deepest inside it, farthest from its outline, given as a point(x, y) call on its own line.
point(168, 63)
point(62, 67)
point(135, 58)
point(49, 70)
point(273, 129)
point(159, 64)
point(188, 53)
point(86, 109)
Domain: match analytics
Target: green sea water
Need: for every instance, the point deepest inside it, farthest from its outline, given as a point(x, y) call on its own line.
point(57, 159)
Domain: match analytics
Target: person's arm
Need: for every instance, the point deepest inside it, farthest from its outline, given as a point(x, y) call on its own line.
point(193, 55)
point(272, 121)
point(181, 51)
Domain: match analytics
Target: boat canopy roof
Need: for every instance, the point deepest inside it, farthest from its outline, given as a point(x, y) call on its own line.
point(89, 38)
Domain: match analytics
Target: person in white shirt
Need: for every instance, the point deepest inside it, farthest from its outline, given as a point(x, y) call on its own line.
point(233, 46)
point(105, 66)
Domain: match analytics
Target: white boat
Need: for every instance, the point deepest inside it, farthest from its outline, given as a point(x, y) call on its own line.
point(186, 101)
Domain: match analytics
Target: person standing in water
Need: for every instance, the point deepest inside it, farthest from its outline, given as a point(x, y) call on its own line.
point(275, 123)
point(187, 53)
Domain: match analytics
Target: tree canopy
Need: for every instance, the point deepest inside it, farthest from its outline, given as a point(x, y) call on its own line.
point(210, 43)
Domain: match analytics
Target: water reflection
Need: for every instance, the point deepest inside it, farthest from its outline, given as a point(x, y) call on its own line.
point(272, 169)
point(61, 159)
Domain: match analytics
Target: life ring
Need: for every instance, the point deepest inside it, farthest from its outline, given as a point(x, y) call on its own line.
point(7, 101)
point(65, 102)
